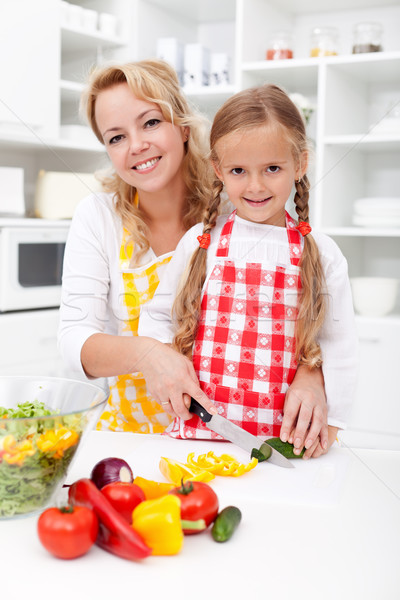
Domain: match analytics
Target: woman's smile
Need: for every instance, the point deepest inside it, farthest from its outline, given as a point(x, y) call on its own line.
point(146, 165)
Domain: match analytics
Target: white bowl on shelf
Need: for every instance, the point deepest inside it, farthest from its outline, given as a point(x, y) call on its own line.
point(374, 296)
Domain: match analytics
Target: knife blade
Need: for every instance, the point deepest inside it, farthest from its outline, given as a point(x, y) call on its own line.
point(236, 435)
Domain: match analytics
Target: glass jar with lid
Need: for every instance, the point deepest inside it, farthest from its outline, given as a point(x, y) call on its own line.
point(324, 41)
point(280, 46)
point(367, 38)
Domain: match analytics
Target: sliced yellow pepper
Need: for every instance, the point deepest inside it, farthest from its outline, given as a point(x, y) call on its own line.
point(153, 489)
point(224, 465)
point(176, 471)
point(158, 522)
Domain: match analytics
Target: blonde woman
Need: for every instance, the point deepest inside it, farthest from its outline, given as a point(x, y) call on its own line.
point(122, 239)
point(260, 294)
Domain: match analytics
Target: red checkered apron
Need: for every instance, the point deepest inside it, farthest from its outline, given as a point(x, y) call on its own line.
point(244, 352)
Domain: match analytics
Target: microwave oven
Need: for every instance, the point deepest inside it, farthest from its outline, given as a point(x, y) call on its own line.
point(31, 262)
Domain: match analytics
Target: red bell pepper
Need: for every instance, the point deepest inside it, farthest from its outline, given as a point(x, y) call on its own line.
point(115, 534)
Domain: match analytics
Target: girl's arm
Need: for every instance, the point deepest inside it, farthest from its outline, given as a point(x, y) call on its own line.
point(305, 412)
point(305, 402)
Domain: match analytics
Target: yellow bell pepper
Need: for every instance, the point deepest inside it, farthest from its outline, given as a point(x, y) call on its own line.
point(153, 489)
point(158, 522)
point(176, 472)
point(224, 465)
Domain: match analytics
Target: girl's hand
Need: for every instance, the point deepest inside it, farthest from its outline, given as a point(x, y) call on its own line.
point(304, 421)
point(316, 449)
point(171, 380)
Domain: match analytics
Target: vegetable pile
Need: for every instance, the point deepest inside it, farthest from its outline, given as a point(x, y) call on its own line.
point(34, 455)
point(134, 518)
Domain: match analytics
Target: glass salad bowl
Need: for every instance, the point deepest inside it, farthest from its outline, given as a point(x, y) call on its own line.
point(43, 422)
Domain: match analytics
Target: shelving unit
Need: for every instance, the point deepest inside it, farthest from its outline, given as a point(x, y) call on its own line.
point(351, 93)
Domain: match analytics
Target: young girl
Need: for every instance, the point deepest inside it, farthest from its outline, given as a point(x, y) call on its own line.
point(262, 295)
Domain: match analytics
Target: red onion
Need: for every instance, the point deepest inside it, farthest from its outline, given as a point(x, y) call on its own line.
point(110, 470)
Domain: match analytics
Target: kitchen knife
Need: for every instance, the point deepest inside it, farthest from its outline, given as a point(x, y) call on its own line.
point(236, 435)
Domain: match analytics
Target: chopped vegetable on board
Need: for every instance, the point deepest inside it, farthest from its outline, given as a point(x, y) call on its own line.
point(176, 472)
point(224, 465)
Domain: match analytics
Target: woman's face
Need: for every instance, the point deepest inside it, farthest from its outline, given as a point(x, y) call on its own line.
point(258, 169)
point(146, 150)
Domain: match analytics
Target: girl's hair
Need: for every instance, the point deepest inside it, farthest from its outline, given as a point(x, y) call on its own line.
point(270, 106)
point(154, 81)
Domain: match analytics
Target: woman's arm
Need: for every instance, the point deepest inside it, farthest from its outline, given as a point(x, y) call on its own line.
point(170, 377)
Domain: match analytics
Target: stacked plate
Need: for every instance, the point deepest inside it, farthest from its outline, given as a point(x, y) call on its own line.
point(377, 212)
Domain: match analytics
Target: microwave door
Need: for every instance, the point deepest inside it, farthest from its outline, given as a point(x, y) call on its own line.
point(31, 260)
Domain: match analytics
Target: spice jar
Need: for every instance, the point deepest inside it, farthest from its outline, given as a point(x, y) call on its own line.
point(367, 38)
point(280, 46)
point(324, 41)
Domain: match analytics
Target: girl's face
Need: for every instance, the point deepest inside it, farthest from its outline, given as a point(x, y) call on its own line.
point(145, 149)
point(258, 169)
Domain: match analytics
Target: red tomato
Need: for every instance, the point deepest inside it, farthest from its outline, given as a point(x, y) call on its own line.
point(198, 501)
point(68, 532)
point(124, 497)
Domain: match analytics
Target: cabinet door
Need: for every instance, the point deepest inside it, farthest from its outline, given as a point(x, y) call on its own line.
point(29, 72)
point(375, 416)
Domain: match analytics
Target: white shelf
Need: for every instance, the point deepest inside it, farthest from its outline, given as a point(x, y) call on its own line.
point(372, 67)
point(35, 142)
point(386, 232)
point(70, 90)
point(77, 40)
point(200, 12)
point(366, 142)
point(290, 72)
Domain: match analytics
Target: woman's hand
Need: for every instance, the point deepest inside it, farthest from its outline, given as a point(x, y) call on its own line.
point(171, 380)
point(304, 421)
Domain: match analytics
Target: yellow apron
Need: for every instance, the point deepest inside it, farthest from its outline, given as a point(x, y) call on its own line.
point(129, 407)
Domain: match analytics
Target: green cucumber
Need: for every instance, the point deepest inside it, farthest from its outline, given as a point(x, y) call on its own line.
point(284, 448)
point(226, 523)
point(262, 453)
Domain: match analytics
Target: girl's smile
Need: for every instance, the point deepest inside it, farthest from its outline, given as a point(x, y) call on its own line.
point(258, 169)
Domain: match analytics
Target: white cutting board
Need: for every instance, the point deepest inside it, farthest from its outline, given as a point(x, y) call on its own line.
point(312, 482)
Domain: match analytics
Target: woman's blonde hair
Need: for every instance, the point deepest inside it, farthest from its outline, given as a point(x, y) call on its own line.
point(154, 81)
point(267, 105)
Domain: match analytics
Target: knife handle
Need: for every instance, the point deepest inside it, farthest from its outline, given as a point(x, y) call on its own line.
point(196, 408)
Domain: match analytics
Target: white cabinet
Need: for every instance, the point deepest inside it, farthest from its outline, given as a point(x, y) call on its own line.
point(375, 415)
point(29, 343)
point(29, 98)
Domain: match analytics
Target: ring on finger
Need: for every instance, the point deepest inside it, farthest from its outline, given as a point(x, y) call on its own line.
point(164, 403)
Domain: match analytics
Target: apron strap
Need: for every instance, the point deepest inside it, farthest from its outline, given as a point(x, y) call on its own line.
point(225, 237)
point(295, 240)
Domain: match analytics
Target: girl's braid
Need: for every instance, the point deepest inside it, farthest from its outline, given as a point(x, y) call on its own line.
point(211, 212)
point(186, 308)
point(301, 198)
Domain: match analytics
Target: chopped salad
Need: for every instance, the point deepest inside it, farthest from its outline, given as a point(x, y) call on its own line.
point(34, 454)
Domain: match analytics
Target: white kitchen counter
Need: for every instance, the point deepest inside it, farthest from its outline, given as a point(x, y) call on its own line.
point(329, 529)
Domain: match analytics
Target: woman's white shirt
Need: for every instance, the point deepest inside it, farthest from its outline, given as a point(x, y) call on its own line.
point(92, 283)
